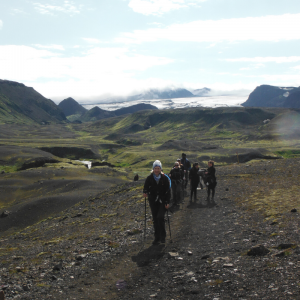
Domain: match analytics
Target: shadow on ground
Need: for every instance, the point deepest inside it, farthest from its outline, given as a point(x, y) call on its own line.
point(154, 252)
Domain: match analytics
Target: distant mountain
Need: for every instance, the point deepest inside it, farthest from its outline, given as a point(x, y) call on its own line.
point(201, 92)
point(157, 94)
point(71, 107)
point(274, 96)
point(133, 109)
point(22, 104)
point(97, 113)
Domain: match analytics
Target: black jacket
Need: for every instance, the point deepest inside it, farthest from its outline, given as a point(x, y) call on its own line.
point(194, 177)
point(210, 178)
point(176, 175)
point(161, 189)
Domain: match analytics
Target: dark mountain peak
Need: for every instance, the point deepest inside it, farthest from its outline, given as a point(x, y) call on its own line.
point(274, 96)
point(71, 107)
point(96, 113)
point(22, 104)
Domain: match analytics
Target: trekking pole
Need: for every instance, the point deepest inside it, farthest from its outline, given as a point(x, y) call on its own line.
point(145, 220)
point(169, 226)
point(143, 241)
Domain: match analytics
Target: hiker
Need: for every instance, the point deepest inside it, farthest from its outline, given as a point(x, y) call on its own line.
point(194, 180)
point(210, 180)
point(187, 166)
point(176, 175)
point(183, 180)
point(157, 189)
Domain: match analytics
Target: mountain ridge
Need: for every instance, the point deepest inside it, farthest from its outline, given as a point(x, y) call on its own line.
point(274, 96)
point(22, 104)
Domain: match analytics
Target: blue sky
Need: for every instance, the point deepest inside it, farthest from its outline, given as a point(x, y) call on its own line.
point(92, 49)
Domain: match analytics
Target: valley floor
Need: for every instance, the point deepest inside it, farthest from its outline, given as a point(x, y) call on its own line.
point(207, 257)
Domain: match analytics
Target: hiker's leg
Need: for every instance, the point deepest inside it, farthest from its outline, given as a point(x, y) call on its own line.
point(191, 194)
point(161, 222)
point(154, 210)
point(174, 193)
point(208, 193)
point(212, 194)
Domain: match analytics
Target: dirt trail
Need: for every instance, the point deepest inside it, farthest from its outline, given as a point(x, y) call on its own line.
point(207, 258)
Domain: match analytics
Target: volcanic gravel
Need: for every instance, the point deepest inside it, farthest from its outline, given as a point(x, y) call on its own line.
point(208, 255)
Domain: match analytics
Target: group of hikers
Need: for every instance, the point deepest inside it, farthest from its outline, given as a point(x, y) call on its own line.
point(157, 189)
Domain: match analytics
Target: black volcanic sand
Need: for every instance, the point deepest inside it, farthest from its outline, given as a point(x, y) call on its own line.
point(12, 154)
point(76, 256)
point(35, 194)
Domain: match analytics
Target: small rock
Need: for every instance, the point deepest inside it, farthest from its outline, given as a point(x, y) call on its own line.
point(190, 253)
point(294, 210)
point(258, 250)
point(19, 269)
point(173, 254)
point(280, 254)
point(80, 257)
point(18, 288)
point(228, 266)
point(57, 267)
point(5, 214)
point(26, 288)
point(285, 246)
point(205, 256)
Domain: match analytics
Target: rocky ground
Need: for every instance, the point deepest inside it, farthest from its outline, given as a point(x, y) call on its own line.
point(245, 246)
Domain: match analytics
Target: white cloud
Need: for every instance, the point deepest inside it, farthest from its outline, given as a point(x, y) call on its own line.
point(68, 7)
point(267, 28)
point(99, 70)
point(278, 60)
point(92, 40)
point(54, 47)
point(253, 67)
point(1, 24)
point(159, 7)
point(17, 11)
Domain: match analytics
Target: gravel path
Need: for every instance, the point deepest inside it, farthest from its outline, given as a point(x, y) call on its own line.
point(211, 254)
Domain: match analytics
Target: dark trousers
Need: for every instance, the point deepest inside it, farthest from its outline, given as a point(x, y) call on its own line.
point(158, 211)
point(193, 190)
point(212, 192)
point(176, 191)
point(186, 178)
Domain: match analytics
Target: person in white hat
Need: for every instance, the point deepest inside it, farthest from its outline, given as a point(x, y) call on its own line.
point(157, 189)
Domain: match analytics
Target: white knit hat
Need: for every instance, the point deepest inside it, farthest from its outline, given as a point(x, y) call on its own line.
point(157, 163)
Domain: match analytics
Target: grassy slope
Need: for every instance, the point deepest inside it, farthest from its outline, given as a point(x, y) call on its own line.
point(10, 113)
point(134, 141)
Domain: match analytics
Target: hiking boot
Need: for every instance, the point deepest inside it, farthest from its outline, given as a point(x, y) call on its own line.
point(156, 241)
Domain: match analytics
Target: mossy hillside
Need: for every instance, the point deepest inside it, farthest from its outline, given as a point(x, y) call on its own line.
point(10, 113)
point(272, 191)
